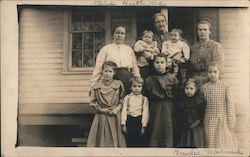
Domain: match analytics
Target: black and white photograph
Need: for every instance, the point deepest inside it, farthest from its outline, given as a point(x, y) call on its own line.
point(124, 78)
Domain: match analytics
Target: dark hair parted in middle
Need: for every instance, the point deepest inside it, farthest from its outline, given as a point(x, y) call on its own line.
point(158, 55)
point(204, 21)
point(191, 81)
point(116, 26)
point(110, 64)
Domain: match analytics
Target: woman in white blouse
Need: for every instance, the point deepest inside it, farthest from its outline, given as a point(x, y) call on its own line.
point(122, 55)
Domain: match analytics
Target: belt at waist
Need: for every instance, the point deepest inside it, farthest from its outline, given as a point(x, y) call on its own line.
point(121, 68)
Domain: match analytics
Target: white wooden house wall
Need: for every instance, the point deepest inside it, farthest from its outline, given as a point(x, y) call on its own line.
point(45, 91)
point(234, 36)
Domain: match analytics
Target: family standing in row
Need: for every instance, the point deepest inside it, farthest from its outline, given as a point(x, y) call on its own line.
point(161, 93)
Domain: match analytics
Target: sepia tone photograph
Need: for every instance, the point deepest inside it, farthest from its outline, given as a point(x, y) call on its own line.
point(118, 78)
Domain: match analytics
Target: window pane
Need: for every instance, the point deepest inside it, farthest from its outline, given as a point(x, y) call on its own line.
point(99, 40)
point(88, 36)
point(77, 41)
point(99, 43)
point(88, 22)
point(88, 27)
point(120, 15)
point(88, 49)
point(88, 41)
point(88, 17)
point(88, 59)
point(77, 58)
point(76, 17)
point(99, 17)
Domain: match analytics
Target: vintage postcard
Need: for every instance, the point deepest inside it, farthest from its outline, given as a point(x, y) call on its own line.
point(124, 78)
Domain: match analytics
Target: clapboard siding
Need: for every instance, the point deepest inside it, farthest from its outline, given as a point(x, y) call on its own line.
point(55, 109)
point(227, 23)
point(231, 22)
point(41, 63)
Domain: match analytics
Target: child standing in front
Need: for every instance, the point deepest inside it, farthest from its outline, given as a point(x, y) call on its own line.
point(179, 51)
point(220, 119)
point(191, 109)
point(135, 115)
point(106, 98)
point(160, 89)
point(145, 50)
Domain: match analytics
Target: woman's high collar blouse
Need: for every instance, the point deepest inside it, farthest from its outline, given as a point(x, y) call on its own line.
point(121, 54)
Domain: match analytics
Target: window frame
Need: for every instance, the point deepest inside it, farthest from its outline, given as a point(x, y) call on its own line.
point(67, 54)
point(67, 57)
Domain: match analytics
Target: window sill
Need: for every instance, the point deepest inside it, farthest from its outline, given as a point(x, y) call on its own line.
point(79, 71)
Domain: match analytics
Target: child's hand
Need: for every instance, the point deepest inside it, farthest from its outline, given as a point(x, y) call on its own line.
point(114, 112)
point(194, 124)
point(142, 131)
point(124, 129)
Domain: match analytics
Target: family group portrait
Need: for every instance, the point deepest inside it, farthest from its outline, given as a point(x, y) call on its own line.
point(132, 77)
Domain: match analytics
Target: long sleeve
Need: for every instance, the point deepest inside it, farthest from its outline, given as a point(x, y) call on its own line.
point(135, 70)
point(230, 108)
point(138, 46)
point(121, 99)
point(218, 56)
point(202, 105)
point(186, 51)
point(93, 103)
point(175, 88)
point(101, 58)
point(124, 111)
point(145, 112)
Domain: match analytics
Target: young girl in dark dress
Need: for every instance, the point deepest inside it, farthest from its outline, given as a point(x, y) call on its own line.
point(191, 108)
point(160, 88)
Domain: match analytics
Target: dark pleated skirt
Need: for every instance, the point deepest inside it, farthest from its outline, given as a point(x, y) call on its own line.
point(161, 123)
point(192, 138)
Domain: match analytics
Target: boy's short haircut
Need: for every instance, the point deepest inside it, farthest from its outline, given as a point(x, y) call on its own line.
point(111, 64)
point(137, 80)
point(177, 30)
point(148, 32)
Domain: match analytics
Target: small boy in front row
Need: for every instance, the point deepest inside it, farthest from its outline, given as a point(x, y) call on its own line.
point(135, 115)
